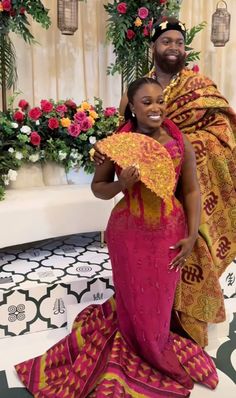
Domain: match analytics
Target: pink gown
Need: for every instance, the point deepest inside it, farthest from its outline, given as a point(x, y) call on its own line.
point(125, 348)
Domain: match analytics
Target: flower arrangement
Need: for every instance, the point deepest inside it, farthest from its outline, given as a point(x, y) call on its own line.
point(129, 29)
point(54, 131)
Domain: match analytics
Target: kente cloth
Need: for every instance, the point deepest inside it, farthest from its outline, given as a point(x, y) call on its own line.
point(124, 348)
point(204, 116)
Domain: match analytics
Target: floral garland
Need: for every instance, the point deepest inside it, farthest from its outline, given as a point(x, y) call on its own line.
point(62, 132)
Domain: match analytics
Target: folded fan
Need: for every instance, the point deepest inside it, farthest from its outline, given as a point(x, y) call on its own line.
point(152, 159)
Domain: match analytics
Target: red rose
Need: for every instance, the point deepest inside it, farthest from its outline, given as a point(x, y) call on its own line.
point(110, 111)
point(35, 138)
point(22, 10)
point(53, 123)
point(23, 104)
point(122, 8)
point(146, 31)
point(71, 104)
point(18, 116)
point(130, 34)
point(46, 106)
point(195, 68)
point(35, 113)
point(85, 125)
point(74, 130)
point(143, 12)
point(163, 1)
point(6, 5)
point(12, 12)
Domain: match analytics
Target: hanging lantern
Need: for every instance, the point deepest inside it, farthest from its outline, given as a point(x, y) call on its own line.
point(67, 16)
point(220, 30)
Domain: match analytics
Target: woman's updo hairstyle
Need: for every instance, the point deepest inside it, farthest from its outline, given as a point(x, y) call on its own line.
point(132, 90)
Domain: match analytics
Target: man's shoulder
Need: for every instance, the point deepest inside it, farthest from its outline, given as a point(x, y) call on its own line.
point(188, 73)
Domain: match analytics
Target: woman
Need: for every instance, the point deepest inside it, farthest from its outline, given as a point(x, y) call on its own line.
point(130, 351)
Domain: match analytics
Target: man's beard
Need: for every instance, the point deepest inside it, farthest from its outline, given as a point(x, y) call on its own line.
point(169, 67)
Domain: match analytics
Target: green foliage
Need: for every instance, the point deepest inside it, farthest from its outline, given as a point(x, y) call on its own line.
point(16, 19)
point(62, 132)
point(129, 32)
point(191, 33)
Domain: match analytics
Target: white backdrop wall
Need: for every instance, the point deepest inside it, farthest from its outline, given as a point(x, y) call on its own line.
point(75, 66)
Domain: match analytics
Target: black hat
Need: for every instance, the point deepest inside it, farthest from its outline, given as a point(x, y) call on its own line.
point(165, 25)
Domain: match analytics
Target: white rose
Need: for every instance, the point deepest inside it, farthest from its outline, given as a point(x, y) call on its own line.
point(62, 155)
point(5, 179)
point(34, 158)
point(12, 174)
point(14, 125)
point(92, 140)
point(25, 130)
point(37, 122)
point(11, 150)
point(18, 155)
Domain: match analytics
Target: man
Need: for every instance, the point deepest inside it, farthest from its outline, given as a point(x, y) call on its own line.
point(195, 105)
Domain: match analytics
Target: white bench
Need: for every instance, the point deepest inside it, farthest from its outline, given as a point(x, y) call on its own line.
point(35, 213)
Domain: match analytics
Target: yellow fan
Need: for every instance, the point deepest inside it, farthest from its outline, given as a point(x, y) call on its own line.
point(152, 159)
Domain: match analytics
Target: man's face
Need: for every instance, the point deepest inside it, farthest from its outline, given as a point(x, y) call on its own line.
point(169, 51)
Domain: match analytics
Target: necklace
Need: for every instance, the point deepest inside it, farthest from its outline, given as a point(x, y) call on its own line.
point(173, 82)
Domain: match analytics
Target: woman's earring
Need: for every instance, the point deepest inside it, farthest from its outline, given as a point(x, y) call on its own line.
point(133, 114)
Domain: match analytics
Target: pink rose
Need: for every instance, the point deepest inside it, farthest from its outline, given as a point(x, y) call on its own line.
point(80, 116)
point(74, 130)
point(146, 31)
point(61, 109)
point(6, 5)
point(110, 111)
point(46, 106)
point(195, 68)
point(18, 116)
point(35, 113)
point(143, 12)
point(23, 104)
point(122, 8)
point(35, 138)
point(53, 123)
point(71, 104)
point(130, 34)
point(85, 124)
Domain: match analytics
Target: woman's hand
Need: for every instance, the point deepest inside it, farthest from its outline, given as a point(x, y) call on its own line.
point(185, 246)
point(128, 177)
point(98, 157)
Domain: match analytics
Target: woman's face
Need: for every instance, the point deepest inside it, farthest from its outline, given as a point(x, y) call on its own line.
point(148, 106)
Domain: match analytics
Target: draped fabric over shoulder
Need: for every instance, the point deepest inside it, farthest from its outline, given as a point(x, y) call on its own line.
point(125, 348)
point(204, 116)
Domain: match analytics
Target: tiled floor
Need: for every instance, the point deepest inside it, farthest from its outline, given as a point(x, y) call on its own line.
point(16, 349)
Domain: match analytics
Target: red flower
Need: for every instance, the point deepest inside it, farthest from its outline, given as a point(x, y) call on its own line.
point(163, 1)
point(195, 68)
point(74, 130)
point(46, 106)
point(23, 104)
point(122, 8)
point(22, 10)
point(71, 104)
point(110, 111)
point(85, 125)
point(143, 12)
point(18, 116)
point(130, 34)
point(35, 113)
point(6, 5)
point(35, 138)
point(150, 24)
point(146, 31)
point(53, 123)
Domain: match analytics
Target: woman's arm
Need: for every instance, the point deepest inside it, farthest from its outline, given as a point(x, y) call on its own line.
point(103, 184)
point(191, 202)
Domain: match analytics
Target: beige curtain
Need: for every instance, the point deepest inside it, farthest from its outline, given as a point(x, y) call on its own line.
point(75, 67)
point(216, 63)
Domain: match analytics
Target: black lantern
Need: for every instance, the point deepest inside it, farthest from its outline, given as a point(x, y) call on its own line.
point(220, 30)
point(67, 16)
